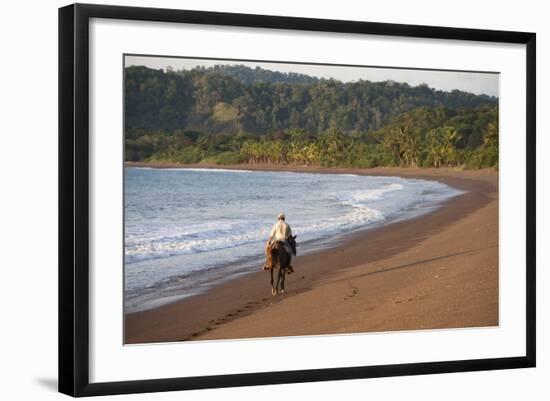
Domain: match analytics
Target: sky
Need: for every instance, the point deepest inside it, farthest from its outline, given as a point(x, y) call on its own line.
point(473, 82)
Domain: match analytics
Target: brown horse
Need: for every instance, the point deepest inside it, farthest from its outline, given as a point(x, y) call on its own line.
point(279, 260)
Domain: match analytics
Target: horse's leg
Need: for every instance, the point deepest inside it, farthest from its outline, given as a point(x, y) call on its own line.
point(273, 292)
point(283, 275)
point(278, 280)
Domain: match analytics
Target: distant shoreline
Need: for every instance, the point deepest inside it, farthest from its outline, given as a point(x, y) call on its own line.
point(235, 308)
point(442, 174)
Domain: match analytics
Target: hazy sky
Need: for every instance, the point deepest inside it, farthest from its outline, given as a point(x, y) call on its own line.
point(474, 82)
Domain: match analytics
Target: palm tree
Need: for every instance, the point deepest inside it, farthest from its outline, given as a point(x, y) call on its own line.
point(311, 152)
point(411, 146)
point(451, 137)
point(441, 146)
point(332, 145)
point(391, 142)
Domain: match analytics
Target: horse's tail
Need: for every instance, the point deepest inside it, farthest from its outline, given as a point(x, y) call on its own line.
point(271, 256)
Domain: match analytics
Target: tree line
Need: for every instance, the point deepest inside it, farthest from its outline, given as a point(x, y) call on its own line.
point(422, 138)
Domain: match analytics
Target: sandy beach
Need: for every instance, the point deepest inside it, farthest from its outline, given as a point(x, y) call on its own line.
point(439, 270)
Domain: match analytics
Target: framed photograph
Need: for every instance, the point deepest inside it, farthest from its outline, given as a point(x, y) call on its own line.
point(250, 199)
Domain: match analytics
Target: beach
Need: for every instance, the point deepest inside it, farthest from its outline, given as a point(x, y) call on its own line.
point(438, 270)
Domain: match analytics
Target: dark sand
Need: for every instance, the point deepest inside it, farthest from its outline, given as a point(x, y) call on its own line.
point(439, 270)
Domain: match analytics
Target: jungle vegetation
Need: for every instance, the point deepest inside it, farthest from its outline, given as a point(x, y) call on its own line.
point(235, 114)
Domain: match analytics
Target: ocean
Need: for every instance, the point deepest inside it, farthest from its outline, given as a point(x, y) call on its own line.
point(189, 229)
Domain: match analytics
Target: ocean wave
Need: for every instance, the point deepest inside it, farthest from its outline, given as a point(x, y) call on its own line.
point(359, 216)
point(356, 198)
point(210, 238)
point(359, 209)
point(214, 170)
point(172, 240)
point(188, 244)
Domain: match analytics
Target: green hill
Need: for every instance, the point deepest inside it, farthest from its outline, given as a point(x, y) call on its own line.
point(190, 100)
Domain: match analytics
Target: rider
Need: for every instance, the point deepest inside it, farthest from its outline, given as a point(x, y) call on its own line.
point(281, 232)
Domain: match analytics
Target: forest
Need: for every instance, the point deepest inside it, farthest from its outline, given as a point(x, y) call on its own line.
point(235, 114)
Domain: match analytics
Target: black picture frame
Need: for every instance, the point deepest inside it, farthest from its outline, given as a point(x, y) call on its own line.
point(74, 198)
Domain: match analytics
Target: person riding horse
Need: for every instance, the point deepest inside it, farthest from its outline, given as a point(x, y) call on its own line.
point(281, 232)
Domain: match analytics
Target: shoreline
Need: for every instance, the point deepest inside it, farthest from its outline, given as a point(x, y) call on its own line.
point(405, 172)
point(218, 310)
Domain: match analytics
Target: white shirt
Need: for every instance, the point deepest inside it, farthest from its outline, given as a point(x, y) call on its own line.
point(281, 231)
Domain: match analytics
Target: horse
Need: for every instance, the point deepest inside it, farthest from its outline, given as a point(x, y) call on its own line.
point(280, 261)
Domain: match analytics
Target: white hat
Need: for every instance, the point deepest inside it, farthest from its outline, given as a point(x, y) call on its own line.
point(281, 216)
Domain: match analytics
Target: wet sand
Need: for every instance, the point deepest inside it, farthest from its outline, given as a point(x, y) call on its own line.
point(439, 270)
